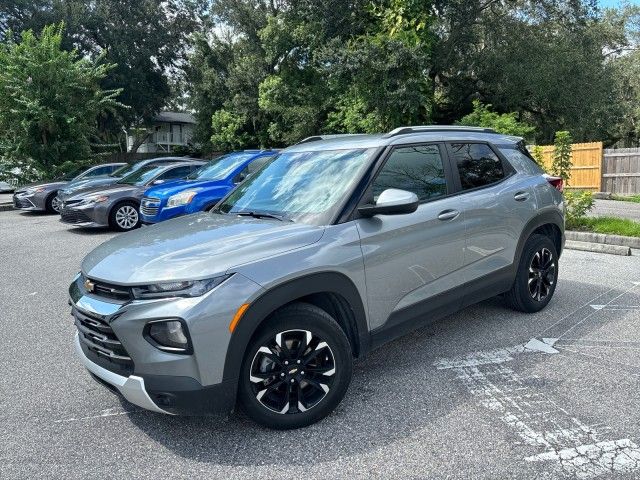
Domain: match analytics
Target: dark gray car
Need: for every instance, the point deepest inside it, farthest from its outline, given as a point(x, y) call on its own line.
point(43, 196)
point(127, 169)
point(117, 205)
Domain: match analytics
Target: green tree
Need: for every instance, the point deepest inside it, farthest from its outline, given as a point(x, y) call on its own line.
point(507, 123)
point(145, 39)
point(50, 100)
point(227, 131)
point(562, 163)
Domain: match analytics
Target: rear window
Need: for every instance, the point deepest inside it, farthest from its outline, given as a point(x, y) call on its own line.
point(521, 160)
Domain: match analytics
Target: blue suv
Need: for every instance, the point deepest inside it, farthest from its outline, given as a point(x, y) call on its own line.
point(202, 189)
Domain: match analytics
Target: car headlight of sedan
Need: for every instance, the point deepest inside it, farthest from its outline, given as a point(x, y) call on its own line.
point(95, 199)
point(182, 198)
point(191, 288)
point(32, 190)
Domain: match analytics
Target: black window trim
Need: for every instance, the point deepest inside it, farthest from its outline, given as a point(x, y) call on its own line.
point(508, 169)
point(378, 165)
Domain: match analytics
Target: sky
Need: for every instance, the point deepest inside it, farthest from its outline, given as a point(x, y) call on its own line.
point(615, 3)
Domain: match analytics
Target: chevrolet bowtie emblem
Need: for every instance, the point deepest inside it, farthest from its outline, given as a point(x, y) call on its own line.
point(89, 285)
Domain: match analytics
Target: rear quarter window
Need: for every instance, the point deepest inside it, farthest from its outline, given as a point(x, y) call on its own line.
point(521, 161)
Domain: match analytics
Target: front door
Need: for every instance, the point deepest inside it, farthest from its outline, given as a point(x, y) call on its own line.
point(411, 258)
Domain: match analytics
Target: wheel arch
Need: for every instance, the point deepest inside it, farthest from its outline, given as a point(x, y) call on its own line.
point(550, 223)
point(333, 292)
point(120, 201)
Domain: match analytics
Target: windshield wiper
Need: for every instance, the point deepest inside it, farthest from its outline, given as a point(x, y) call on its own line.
point(251, 213)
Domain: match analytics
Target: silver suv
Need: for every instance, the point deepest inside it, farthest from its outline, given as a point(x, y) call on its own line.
point(333, 248)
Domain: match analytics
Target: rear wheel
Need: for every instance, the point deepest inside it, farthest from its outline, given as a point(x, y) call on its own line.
point(124, 217)
point(536, 277)
point(297, 369)
point(52, 205)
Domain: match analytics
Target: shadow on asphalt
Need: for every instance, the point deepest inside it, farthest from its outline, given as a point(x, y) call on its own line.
point(395, 392)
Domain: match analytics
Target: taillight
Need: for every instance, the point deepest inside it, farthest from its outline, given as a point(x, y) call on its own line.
point(557, 182)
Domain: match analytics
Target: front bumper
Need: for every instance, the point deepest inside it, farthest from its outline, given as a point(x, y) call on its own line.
point(187, 384)
point(132, 388)
point(89, 216)
point(29, 202)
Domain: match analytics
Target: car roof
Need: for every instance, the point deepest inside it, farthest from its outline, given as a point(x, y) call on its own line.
point(403, 135)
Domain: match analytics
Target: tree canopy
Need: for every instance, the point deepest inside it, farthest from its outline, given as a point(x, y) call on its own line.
point(50, 100)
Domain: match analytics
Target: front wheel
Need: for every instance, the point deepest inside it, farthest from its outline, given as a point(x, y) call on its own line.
point(536, 277)
point(124, 217)
point(297, 369)
point(52, 204)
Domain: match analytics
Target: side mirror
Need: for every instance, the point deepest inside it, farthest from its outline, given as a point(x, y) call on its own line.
point(157, 182)
point(392, 201)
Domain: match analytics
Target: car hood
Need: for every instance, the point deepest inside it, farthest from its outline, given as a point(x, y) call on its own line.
point(82, 184)
point(106, 190)
point(168, 189)
point(47, 185)
point(193, 247)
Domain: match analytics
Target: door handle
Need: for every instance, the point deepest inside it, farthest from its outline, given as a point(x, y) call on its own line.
point(448, 214)
point(521, 196)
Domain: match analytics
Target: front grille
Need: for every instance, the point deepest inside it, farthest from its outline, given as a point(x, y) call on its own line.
point(70, 203)
point(21, 203)
point(117, 292)
point(74, 216)
point(101, 345)
point(150, 206)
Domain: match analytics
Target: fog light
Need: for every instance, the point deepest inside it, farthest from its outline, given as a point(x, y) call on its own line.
point(169, 335)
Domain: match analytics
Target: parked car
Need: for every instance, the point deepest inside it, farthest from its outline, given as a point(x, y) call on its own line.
point(43, 196)
point(335, 247)
point(112, 178)
point(203, 188)
point(6, 187)
point(117, 206)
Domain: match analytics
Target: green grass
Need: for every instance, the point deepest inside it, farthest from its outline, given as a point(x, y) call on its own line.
point(633, 198)
point(611, 225)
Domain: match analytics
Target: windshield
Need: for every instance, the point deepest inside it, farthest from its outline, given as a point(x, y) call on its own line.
point(220, 168)
point(302, 186)
point(124, 170)
point(142, 175)
point(72, 174)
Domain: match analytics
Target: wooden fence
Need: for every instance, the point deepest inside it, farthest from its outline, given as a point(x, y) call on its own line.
point(621, 171)
point(586, 173)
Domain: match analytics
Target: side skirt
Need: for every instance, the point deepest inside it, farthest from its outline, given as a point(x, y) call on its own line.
point(408, 319)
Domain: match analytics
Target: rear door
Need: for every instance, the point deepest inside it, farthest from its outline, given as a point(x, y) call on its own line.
point(409, 259)
point(497, 202)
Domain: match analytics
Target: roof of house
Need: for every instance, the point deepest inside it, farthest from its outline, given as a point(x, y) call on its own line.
point(174, 117)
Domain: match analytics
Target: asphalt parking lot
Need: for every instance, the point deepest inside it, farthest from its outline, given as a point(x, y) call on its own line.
point(486, 393)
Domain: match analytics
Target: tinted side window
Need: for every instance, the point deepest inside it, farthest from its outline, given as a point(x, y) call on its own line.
point(418, 169)
point(258, 163)
point(99, 171)
point(477, 164)
point(178, 172)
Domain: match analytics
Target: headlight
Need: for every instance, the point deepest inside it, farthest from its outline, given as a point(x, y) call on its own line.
point(95, 199)
point(182, 198)
point(168, 335)
point(32, 190)
point(193, 288)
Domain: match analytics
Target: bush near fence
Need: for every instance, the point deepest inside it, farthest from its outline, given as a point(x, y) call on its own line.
point(586, 172)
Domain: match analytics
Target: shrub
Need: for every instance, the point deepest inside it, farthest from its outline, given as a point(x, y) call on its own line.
point(578, 204)
point(562, 164)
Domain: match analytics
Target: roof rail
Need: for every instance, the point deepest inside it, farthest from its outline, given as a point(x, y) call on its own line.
point(436, 128)
point(315, 138)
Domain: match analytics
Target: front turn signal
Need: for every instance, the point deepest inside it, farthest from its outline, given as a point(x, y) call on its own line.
point(238, 316)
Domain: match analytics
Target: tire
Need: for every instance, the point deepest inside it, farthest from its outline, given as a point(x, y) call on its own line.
point(124, 217)
point(52, 205)
point(270, 383)
point(537, 276)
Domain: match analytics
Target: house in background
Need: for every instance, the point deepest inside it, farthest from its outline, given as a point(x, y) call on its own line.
point(169, 130)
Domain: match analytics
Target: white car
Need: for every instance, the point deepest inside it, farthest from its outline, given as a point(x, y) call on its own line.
point(5, 187)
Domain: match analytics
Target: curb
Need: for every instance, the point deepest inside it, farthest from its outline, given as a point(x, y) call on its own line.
point(5, 207)
point(598, 248)
point(632, 242)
